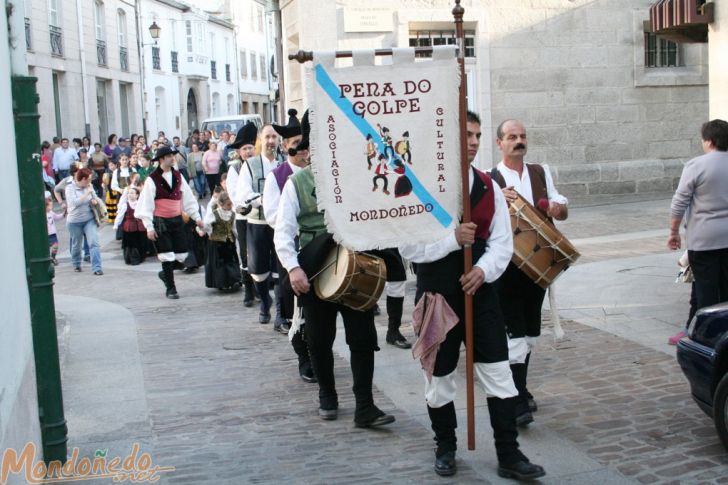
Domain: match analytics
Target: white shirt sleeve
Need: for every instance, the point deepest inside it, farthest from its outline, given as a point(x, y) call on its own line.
point(232, 182)
point(115, 182)
point(286, 227)
point(189, 201)
point(244, 190)
point(500, 243)
point(208, 220)
point(553, 194)
point(120, 214)
point(427, 253)
point(145, 205)
point(271, 199)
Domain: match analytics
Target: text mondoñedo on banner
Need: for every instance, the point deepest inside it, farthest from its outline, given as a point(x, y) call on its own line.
point(385, 147)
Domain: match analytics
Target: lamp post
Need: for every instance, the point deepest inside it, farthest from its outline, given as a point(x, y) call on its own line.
point(154, 32)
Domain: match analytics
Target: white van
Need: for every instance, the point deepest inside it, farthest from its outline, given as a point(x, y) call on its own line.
point(231, 123)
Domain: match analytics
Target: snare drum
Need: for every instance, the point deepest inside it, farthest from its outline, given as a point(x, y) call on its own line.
point(539, 249)
point(353, 279)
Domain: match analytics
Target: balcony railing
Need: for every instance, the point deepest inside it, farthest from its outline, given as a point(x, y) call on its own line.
point(156, 61)
point(175, 62)
point(213, 69)
point(28, 43)
point(227, 73)
point(56, 40)
point(124, 58)
point(101, 52)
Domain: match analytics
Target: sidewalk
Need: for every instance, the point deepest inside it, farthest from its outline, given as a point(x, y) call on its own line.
point(205, 388)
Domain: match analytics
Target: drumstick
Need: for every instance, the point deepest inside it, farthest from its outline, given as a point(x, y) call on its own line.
point(558, 331)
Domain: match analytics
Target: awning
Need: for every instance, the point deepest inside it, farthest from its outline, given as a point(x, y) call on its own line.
point(681, 20)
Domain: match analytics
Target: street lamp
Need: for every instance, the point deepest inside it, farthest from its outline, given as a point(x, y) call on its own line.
point(154, 31)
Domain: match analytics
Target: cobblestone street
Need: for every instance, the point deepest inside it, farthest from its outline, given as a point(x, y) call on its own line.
point(204, 388)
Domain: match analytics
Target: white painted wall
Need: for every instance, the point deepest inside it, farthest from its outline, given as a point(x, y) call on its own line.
point(194, 68)
point(18, 399)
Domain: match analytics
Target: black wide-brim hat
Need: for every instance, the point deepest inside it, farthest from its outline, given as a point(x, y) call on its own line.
point(305, 131)
point(293, 128)
point(164, 151)
point(246, 136)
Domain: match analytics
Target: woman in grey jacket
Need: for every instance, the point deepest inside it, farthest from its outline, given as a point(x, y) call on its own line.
point(701, 199)
point(81, 200)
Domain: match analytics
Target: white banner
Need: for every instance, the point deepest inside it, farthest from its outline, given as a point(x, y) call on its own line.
point(385, 147)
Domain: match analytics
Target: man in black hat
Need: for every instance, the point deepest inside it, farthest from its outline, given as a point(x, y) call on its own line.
point(164, 197)
point(298, 159)
point(244, 146)
point(299, 217)
point(248, 195)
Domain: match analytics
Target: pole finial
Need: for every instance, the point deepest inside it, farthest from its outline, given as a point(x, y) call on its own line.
point(301, 56)
point(458, 11)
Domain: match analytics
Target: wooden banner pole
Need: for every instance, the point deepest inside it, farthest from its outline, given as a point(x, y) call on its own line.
point(458, 13)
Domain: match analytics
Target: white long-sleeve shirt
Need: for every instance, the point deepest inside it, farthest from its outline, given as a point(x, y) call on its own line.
point(272, 196)
point(120, 172)
point(244, 187)
point(145, 204)
point(497, 254)
point(232, 183)
point(286, 227)
point(522, 184)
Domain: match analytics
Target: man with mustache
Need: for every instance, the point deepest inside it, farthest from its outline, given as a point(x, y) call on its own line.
point(520, 298)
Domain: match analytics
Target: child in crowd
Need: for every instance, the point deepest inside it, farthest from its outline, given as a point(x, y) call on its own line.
point(134, 237)
point(222, 268)
point(144, 168)
point(111, 198)
point(51, 218)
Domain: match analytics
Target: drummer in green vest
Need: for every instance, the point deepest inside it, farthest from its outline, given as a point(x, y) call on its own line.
point(299, 216)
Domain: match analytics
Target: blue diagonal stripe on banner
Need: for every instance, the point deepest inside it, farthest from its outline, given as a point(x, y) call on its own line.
point(329, 87)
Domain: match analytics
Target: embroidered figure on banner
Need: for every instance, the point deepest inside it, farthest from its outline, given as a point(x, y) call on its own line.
point(381, 171)
point(371, 151)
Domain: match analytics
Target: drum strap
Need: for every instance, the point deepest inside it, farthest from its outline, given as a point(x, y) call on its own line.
point(498, 177)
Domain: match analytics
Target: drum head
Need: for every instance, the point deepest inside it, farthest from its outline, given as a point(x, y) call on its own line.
point(401, 147)
point(332, 278)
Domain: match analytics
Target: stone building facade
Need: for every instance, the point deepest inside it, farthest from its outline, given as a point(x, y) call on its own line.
point(610, 108)
point(190, 71)
point(84, 54)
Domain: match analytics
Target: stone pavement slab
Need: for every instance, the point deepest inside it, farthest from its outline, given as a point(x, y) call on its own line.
point(219, 397)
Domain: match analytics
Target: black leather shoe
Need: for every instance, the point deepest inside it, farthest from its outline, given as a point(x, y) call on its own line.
point(532, 406)
point(524, 419)
point(445, 465)
point(398, 340)
point(282, 328)
point(172, 293)
point(328, 414)
point(264, 317)
point(521, 470)
point(380, 420)
point(308, 376)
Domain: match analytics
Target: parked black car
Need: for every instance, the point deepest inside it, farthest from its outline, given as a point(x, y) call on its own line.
point(703, 356)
